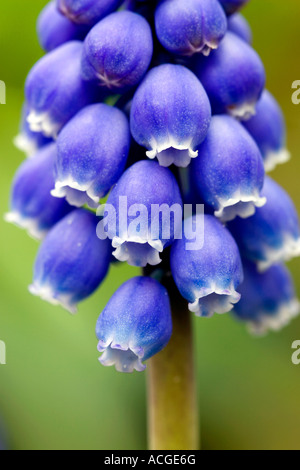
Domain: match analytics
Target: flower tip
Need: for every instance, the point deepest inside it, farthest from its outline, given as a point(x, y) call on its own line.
point(137, 252)
point(123, 358)
point(41, 122)
point(276, 158)
point(244, 112)
point(285, 314)
point(47, 294)
point(76, 195)
point(30, 225)
point(241, 206)
point(290, 249)
point(25, 144)
point(219, 302)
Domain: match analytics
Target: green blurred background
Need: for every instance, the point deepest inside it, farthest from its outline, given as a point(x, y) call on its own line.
point(53, 392)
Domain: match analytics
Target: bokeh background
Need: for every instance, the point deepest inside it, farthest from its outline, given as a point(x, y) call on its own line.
point(53, 392)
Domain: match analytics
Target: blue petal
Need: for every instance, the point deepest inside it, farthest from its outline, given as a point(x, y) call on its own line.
point(268, 129)
point(54, 29)
point(87, 12)
point(170, 114)
point(209, 276)
point(272, 235)
point(238, 25)
point(233, 77)
point(148, 185)
point(92, 152)
point(191, 26)
point(32, 206)
point(71, 262)
point(268, 299)
point(135, 325)
point(229, 171)
point(55, 91)
point(118, 51)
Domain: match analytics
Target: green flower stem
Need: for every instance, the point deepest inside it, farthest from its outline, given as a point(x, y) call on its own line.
point(172, 393)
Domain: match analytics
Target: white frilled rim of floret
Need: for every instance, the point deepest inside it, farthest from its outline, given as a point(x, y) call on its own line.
point(172, 152)
point(30, 225)
point(244, 112)
point(125, 357)
point(42, 122)
point(275, 322)
point(240, 205)
point(47, 293)
point(137, 251)
point(211, 300)
point(76, 194)
point(27, 145)
point(204, 49)
point(272, 159)
point(289, 249)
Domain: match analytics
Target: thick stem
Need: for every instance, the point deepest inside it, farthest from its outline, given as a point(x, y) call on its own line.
point(172, 393)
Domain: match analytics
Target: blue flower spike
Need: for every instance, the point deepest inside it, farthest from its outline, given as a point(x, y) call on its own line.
point(170, 115)
point(208, 276)
point(233, 77)
point(32, 206)
point(268, 129)
point(92, 153)
point(238, 25)
point(140, 234)
point(190, 26)
point(229, 172)
point(72, 262)
point(272, 234)
point(135, 325)
point(27, 141)
point(55, 91)
point(87, 12)
point(232, 6)
point(118, 51)
point(268, 301)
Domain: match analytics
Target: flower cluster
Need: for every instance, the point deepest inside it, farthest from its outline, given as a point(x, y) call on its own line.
point(161, 109)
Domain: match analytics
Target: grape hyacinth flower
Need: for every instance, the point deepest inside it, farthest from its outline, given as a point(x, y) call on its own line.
point(55, 91)
point(92, 151)
point(233, 77)
point(229, 171)
point(139, 235)
point(32, 206)
point(118, 51)
point(190, 26)
point(54, 29)
point(170, 115)
point(267, 128)
point(268, 299)
point(209, 276)
point(272, 234)
point(87, 12)
point(72, 262)
point(232, 6)
point(184, 73)
point(135, 325)
point(27, 141)
point(238, 25)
